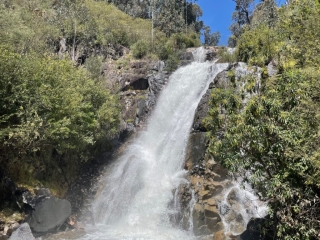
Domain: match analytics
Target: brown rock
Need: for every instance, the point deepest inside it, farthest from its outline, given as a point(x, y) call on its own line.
point(211, 202)
point(219, 236)
point(211, 212)
point(214, 225)
point(79, 225)
point(196, 181)
point(204, 194)
point(233, 237)
point(239, 225)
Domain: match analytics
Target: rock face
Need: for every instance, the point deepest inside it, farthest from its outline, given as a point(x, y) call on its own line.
point(22, 233)
point(49, 213)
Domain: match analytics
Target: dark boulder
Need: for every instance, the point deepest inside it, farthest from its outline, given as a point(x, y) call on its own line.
point(188, 56)
point(196, 151)
point(49, 213)
point(134, 82)
point(210, 55)
point(257, 230)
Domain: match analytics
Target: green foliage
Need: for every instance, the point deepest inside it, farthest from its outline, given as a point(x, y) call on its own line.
point(274, 138)
point(49, 105)
point(227, 56)
point(211, 39)
point(292, 38)
point(140, 49)
point(299, 29)
point(170, 48)
point(257, 46)
point(93, 66)
point(172, 63)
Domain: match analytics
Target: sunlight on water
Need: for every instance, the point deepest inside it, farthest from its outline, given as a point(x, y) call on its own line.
point(139, 185)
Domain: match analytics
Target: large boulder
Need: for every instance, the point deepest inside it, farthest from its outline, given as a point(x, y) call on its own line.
point(22, 233)
point(257, 230)
point(50, 213)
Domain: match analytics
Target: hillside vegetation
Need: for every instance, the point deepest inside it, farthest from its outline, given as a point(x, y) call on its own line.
point(272, 139)
point(55, 109)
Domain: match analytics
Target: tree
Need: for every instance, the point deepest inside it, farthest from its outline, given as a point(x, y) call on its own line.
point(265, 13)
point(49, 105)
point(192, 13)
point(267, 129)
point(240, 17)
point(211, 39)
point(243, 11)
point(169, 18)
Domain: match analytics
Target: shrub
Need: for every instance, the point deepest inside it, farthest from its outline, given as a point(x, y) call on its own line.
point(140, 49)
point(227, 56)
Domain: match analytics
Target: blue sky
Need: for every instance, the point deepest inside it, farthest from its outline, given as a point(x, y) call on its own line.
point(217, 14)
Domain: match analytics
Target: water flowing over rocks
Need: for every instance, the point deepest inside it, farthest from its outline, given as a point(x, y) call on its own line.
point(221, 208)
point(138, 187)
point(137, 107)
point(142, 190)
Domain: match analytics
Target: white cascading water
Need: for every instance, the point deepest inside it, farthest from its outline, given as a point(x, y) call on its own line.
point(139, 186)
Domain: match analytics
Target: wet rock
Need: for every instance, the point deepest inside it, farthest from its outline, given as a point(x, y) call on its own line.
point(184, 63)
point(156, 84)
point(199, 225)
point(257, 230)
point(49, 213)
point(204, 195)
point(159, 66)
point(195, 151)
point(211, 212)
point(233, 197)
point(218, 173)
point(22, 233)
point(238, 225)
point(231, 236)
point(211, 202)
point(2, 224)
point(76, 234)
point(210, 55)
point(187, 56)
point(214, 225)
point(201, 113)
point(219, 236)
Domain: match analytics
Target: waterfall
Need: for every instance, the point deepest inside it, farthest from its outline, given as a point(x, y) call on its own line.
point(141, 184)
